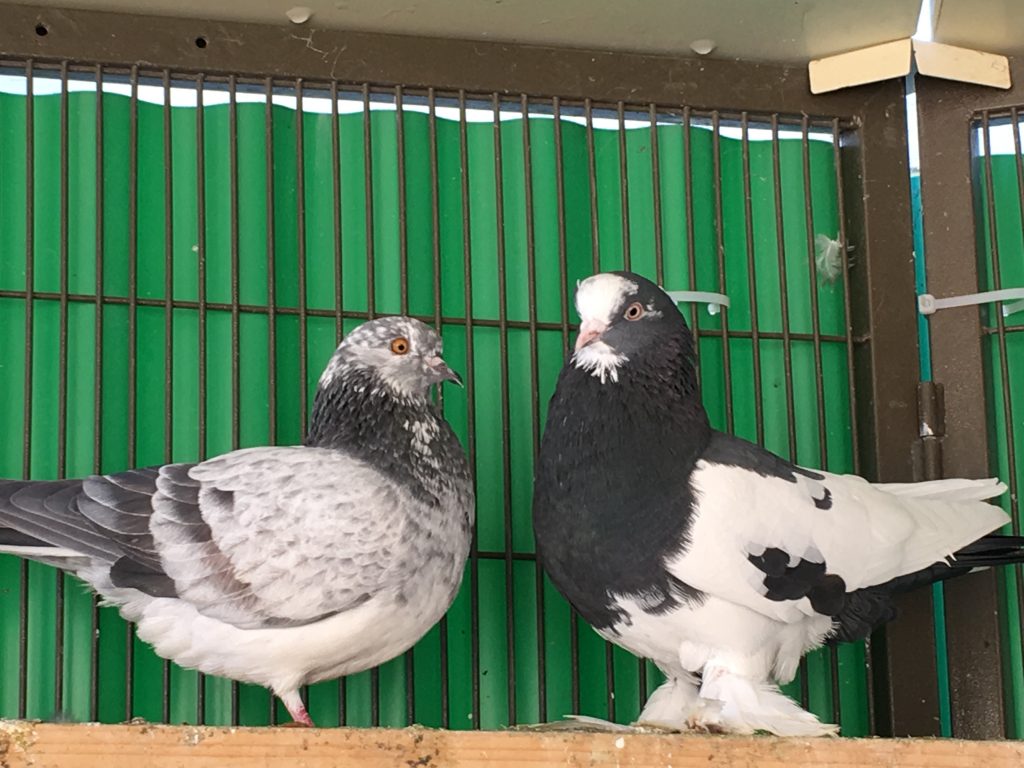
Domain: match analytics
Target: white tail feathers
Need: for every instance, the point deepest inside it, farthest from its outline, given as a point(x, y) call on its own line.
point(953, 489)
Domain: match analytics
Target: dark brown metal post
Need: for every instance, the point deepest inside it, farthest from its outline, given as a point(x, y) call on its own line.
point(876, 196)
point(947, 111)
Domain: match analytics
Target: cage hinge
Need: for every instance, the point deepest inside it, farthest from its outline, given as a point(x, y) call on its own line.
point(931, 417)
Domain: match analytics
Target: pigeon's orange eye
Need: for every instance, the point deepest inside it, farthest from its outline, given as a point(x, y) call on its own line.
point(400, 345)
point(634, 311)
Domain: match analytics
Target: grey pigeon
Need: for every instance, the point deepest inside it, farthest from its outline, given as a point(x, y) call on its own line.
point(721, 562)
point(281, 566)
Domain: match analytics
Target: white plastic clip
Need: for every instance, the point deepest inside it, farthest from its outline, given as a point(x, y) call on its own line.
point(715, 301)
point(929, 305)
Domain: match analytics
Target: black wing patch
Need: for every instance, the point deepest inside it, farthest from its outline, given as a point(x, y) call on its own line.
point(826, 591)
point(733, 451)
point(665, 595)
point(825, 502)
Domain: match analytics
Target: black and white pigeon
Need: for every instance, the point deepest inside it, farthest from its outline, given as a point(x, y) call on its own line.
point(281, 566)
point(719, 561)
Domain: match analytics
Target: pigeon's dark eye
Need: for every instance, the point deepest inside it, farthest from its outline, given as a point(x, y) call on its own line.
point(634, 311)
point(400, 345)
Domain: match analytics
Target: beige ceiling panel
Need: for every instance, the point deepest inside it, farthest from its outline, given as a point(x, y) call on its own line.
point(767, 30)
point(987, 25)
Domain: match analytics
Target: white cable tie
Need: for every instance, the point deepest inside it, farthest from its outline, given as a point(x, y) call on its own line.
point(715, 301)
point(929, 305)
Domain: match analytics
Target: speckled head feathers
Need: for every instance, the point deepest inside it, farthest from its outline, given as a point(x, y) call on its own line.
point(404, 353)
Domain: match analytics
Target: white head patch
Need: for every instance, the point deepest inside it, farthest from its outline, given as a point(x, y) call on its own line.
point(597, 300)
point(599, 296)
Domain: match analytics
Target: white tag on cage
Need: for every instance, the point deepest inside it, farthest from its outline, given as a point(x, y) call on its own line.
point(715, 301)
point(927, 304)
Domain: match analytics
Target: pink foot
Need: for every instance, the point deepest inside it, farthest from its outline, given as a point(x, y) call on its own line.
point(293, 703)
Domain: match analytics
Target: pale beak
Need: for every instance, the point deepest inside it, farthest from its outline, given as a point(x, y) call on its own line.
point(441, 371)
point(589, 331)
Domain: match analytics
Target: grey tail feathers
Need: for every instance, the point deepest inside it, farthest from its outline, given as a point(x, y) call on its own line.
point(10, 538)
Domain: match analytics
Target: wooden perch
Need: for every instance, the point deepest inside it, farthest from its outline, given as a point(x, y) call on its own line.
point(24, 744)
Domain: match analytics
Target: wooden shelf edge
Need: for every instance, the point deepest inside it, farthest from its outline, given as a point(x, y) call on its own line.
point(42, 745)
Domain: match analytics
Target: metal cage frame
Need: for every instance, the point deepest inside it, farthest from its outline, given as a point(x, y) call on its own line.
point(868, 124)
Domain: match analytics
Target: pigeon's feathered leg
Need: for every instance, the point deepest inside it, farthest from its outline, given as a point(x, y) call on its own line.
point(293, 703)
point(676, 705)
point(749, 705)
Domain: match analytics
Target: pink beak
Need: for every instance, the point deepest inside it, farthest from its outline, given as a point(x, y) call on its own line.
point(589, 330)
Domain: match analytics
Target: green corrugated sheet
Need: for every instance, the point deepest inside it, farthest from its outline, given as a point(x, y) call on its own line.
point(255, 419)
point(1005, 400)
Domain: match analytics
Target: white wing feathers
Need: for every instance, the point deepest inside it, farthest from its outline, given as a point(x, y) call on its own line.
point(868, 535)
point(953, 489)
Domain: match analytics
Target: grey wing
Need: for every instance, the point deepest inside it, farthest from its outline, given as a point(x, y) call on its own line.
point(101, 520)
point(258, 537)
point(281, 536)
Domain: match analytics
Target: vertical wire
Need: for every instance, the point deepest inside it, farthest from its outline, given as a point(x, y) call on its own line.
point(300, 232)
point(691, 258)
point(371, 311)
point(850, 380)
point(368, 187)
point(813, 272)
point(833, 651)
point(531, 276)
point(339, 296)
point(1004, 365)
point(168, 324)
point(506, 458)
point(236, 400)
point(133, 294)
point(787, 347)
point(474, 557)
point(62, 376)
point(26, 447)
point(336, 212)
point(403, 275)
point(624, 186)
point(403, 250)
point(595, 241)
point(268, 133)
point(847, 311)
point(97, 396)
point(609, 649)
point(659, 255)
point(563, 259)
point(300, 228)
point(716, 149)
point(435, 223)
point(755, 324)
point(783, 285)
point(659, 273)
point(201, 246)
point(595, 245)
point(609, 658)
